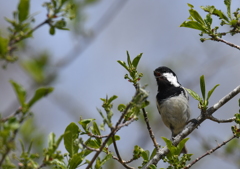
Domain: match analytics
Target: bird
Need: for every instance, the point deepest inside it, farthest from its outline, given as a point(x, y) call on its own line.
point(172, 101)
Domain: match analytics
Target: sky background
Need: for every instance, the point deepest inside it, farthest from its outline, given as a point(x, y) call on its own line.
point(137, 26)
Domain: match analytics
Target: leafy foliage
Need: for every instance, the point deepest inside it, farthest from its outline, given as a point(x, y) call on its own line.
point(196, 21)
point(203, 102)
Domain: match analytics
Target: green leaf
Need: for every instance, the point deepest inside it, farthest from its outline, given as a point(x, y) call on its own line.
point(196, 16)
point(145, 155)
point(211, 91)
point(93, 143)
point(52, 30)
point(214, 11)
point(3, 46)
point(112, 98)
point(136, 60)
point(23, 10)
point(20, 92)
point(85, 122)
point(129, 60)
point(228, 5)
point(190, 5)
point(202, 85)
point(171, 147)
point(123, 64)
point(40, 93)
point(59, 164)
point(208, 21)
point(193, 25)
point(51, 141)
point(121, 107)
point(194, 94)
point(70, 135)
point(96, 130)
point(110, 141)
point(75, 161)
point(181, 145)
point(153, 153)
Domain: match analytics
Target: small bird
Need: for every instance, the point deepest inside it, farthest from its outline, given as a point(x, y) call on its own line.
point(172, 101)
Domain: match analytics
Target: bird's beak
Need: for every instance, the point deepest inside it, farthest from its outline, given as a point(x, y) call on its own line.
point(158, 75)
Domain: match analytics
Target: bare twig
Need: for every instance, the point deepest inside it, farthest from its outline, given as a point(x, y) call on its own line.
point(10, 116)
point(209, 152)
point(156, 145)
point(192, 126)
point(97, 136)
point(221, 120)
point(118, 154)
point(226, 42)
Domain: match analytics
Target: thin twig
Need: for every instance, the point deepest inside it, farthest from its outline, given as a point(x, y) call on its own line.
point(156, 145)
point(221, 120)
point(118, 154)
point(97, 136)
point(226, 42)
point(209, 152)
point(10, 116)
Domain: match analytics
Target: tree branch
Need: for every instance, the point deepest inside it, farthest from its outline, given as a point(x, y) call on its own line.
point(209, 152)
point(221, 120)
point(226, 42)
point(191, 126)
point(156, 145)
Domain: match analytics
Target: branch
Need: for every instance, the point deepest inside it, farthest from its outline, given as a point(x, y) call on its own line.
point(118, 154)
point(221, 120)
point(226, 42)
point(110, 135)
point(209, 152)
point(156, 145)
point(163, 151)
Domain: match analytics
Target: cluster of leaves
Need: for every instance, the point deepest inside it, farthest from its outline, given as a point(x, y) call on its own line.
point(59, 9)
point(236, 128)
point(131, 67)
point(205, 25)
point(203, 102)
point(20, 25)
point(9, 126)
point(173, 157)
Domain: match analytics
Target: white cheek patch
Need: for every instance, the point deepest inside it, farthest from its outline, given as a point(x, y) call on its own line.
point(172, 79)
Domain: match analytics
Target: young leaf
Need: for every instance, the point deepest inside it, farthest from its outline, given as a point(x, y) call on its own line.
point(40, 93)
point(196, 16)
point(211, 91)
point(129, 60)
point(190, 5)
point(95, 129)
point(123, 64)
point(112, 98)
point(121, 107)
point(70, 135)
point(3, 46)
point(52, 30)
point(145, 155)
point(228, 5)
point(136, 60)
point(20, 92)
point(181, 145)
point(110, 141)
point(194, 94)
point(75, 161)
point(202, 85)
point(85, 122)
point(23, 9)
point(193, 25)
point(93, 143)
point(168, 142)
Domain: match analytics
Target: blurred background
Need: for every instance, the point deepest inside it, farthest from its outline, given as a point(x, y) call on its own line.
point(81, 64)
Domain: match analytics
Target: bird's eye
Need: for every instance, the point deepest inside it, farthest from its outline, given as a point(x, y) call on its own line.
point(157, 73)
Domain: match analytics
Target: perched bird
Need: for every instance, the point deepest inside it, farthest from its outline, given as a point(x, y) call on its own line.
point(172, 101)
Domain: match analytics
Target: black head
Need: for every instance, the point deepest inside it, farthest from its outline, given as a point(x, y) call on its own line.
point(166, 77)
